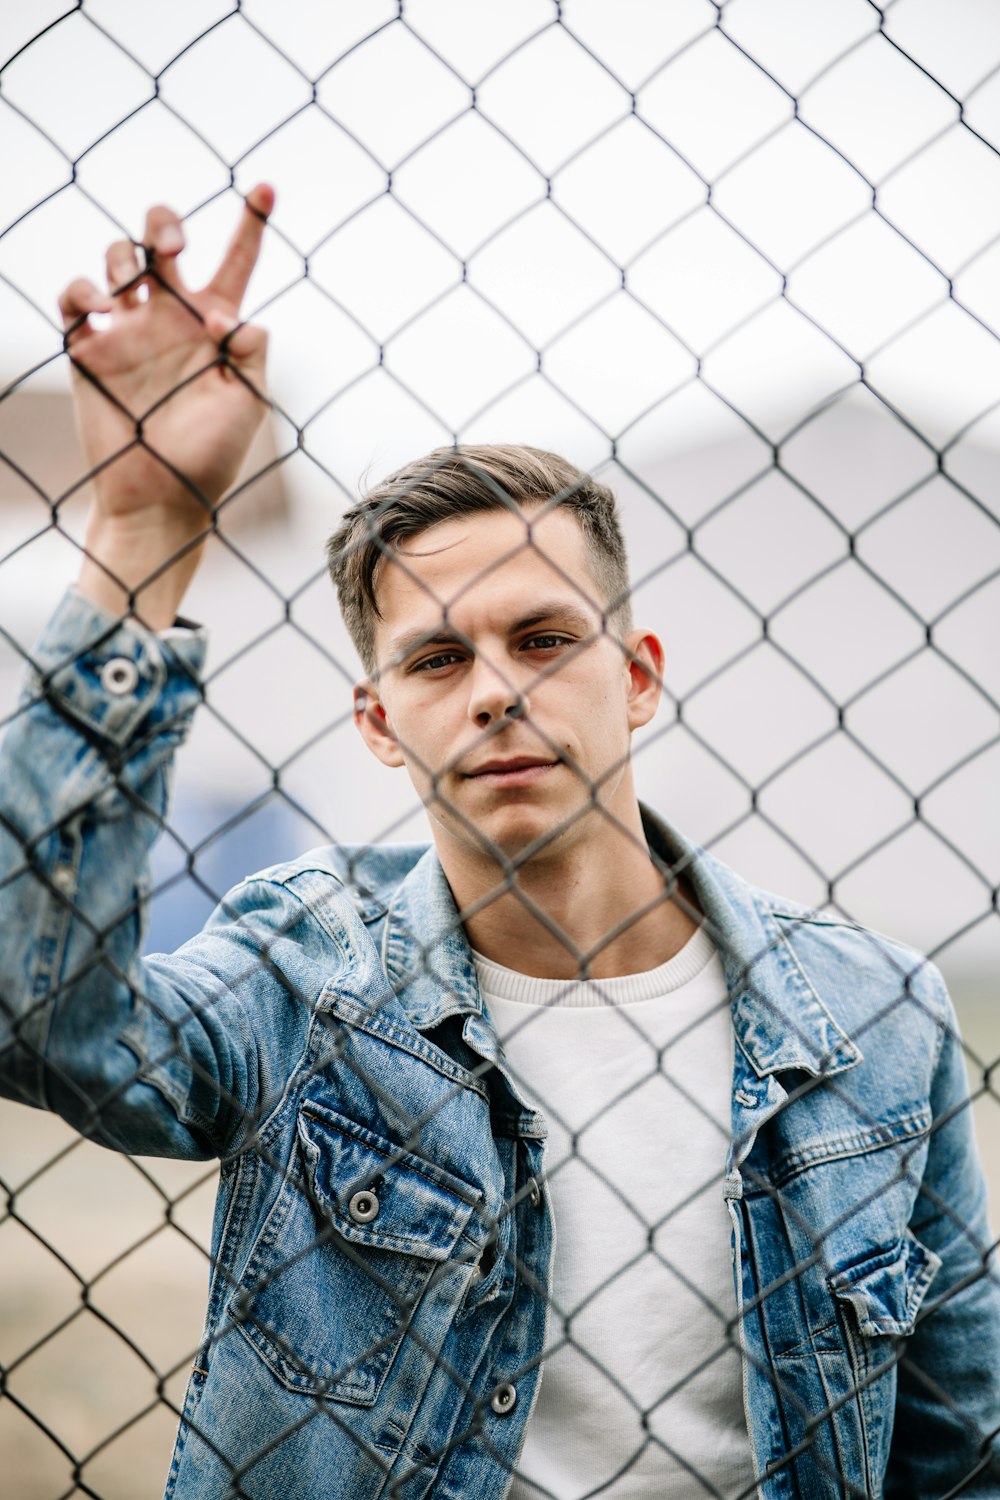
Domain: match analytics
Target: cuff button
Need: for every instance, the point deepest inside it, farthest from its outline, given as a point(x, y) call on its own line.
point(119, 676)
point(504, 1399)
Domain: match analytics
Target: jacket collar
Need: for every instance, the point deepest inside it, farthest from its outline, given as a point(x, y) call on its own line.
point(779, 1019)
point(424, 948)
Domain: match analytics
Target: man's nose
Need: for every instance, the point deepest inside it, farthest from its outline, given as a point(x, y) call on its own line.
point(493, 695)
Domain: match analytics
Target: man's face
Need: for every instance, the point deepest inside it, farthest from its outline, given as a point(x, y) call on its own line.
point(497, 687)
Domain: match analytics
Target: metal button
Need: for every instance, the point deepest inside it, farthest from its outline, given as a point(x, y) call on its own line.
point(534, 1193)
point(119, 676)
point(64, 878)
point(504, 1399)
point(363, 1207)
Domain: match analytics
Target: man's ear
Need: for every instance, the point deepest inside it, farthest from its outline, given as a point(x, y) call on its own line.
point(372, 723)
point(644, 658)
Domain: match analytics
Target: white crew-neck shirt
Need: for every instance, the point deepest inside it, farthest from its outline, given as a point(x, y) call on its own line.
point(641, 1390)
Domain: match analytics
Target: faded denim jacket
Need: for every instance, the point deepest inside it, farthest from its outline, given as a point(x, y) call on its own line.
point(382, 1242)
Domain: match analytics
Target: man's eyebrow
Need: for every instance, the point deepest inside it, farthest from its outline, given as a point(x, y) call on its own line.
point(401, 646)
point(563, 610)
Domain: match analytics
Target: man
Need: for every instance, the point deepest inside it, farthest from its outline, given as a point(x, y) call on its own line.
point(748, 1120)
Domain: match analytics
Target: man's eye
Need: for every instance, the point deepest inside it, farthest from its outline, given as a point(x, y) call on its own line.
point(548, 642)
point(435, 663)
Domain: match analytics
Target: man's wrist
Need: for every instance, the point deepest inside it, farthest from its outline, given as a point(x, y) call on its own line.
point(141, 565)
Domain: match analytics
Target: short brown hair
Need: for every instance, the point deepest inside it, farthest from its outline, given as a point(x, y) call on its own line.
point(459, 481)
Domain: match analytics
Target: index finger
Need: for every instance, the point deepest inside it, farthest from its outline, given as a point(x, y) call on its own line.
point(230, 280)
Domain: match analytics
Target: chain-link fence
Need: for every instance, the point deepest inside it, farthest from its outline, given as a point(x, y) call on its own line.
point(736, 262)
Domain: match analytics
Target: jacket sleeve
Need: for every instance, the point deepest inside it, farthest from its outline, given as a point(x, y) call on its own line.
point(946, 1438)
point(161, 1056)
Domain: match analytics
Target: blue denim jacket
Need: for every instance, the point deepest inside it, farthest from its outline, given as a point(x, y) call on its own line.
point(382, 1243)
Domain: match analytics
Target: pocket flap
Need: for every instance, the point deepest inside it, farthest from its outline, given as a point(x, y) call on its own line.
point(886, 1290)
point(373, 1193)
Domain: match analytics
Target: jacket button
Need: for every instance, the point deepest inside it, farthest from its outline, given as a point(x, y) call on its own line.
point(363, 1206)
point(534, 1193)
point(119, 676)
point(504, 1399)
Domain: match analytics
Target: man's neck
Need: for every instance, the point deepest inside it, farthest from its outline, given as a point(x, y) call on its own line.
point(594, 908)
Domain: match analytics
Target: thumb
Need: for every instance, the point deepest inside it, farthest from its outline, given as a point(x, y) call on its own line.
point(244, 344)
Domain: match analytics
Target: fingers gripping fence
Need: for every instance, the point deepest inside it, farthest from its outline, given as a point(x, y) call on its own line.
point(736, 262)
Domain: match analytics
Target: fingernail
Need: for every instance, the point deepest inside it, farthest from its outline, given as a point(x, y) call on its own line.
point(168, 239)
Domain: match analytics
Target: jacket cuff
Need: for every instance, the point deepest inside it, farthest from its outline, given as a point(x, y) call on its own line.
point(109, 674)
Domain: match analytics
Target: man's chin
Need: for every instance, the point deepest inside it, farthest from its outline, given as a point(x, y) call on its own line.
point(517, 833)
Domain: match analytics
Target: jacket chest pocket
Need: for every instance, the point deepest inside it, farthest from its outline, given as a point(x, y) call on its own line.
point(347, 1252)
point(886, 1290)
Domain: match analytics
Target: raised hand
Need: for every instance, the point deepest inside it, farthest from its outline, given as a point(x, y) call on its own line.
point(168, 397)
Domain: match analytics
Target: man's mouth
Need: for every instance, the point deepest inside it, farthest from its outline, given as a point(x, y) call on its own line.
point(517, 770)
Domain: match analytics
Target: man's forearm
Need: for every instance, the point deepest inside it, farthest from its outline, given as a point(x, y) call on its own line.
point(84, 770)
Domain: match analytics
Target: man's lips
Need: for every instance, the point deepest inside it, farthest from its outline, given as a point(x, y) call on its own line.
point(519, 770)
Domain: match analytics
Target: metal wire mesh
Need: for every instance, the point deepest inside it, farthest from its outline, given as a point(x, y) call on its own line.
point(735, 260)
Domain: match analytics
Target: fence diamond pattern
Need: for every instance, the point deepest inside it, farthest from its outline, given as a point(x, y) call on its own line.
point(739, 260)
